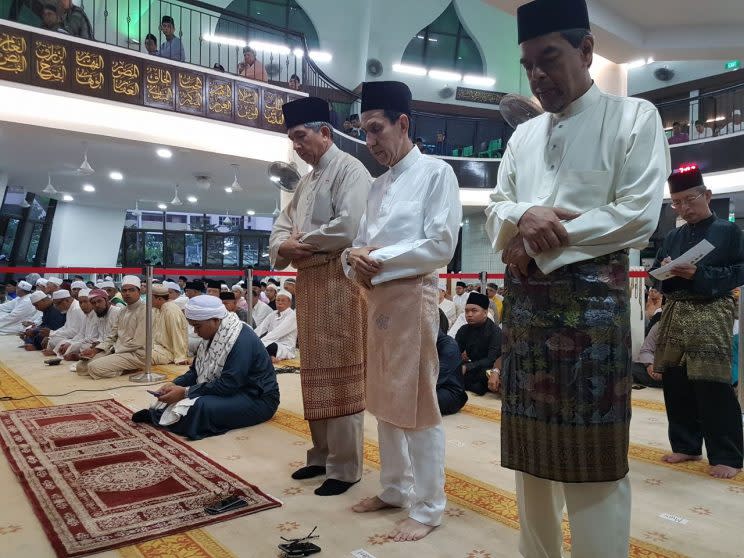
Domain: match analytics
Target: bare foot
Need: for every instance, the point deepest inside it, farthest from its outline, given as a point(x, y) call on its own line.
point(47, 352)
point(410, 530)
point(370, 505)
point(680, 458)
point(723, 472)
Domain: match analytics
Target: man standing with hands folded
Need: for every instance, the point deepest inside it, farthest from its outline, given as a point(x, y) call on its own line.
point(578, 186)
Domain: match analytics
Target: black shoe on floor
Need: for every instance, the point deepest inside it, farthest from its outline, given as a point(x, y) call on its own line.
point(309, 472)
point(333, 487)
point(142, 416)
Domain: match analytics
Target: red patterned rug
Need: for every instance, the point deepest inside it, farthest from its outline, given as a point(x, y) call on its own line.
point(98, 481)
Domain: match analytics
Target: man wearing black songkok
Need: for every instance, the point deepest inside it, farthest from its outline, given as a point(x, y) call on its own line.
point(693, 352)
point(479, 341)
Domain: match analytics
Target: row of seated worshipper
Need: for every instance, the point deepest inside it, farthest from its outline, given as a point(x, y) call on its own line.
point(454, 307)
point(471, 360)
point(17, 314)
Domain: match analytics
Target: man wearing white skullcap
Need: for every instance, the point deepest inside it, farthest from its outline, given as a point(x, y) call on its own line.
point(170, 340)
point(53, 284)
point(175, 295)
point(114, 295)
point(22, 289)
point(22, 311)
point(74, 322)
point(100, 319)
point(123, 350)
point(278, 331)
point(35, 337)
point(231, 383)
point(446, 305)
point(76, 287)
point(41, 285)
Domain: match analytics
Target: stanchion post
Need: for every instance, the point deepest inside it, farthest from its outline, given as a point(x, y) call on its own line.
point(483, 281)
point(147, 376)
point(249, 293)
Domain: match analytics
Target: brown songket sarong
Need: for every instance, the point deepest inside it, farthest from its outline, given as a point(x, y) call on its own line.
point(402, 361)
point(566, 372)
point(331, 327)
point(697, 333)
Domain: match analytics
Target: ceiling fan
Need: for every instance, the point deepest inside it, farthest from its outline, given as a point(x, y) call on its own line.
point(284, 176)
point(176, 200)
point(235, 186)
point(517, 109)
point(85, 168)
point(50, 190)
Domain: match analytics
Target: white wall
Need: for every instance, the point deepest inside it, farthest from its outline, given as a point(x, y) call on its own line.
point(642, 79)
point(85, 236)
point(610, 77)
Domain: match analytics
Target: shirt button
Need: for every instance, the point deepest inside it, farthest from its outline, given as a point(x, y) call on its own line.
point(552, 167)
point(560, 125)
point(552, 147)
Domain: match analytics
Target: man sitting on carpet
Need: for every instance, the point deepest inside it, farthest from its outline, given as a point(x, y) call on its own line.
point(451, 394)
point(100, 319)
point(124, 348)
point(74, 320)
point(278, 331)
point(230, 302)
point(480, 342)
point(20, 310)
point(169, 329)
point(36, 337)
point(231, 383)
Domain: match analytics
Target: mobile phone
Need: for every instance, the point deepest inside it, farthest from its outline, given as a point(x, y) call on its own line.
point(231, 503)
point(155, 393)
point(53, 361)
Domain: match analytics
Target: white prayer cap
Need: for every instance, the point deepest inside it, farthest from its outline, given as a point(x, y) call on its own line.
point(24, 286)
point(56, 280)
point(284, 292)
point(77, 285)
point(108, 278)
point(40, 282)
point(171, 285)
point(99, 281)
point(84, 293)
point(60, 294)
point(442, 285)
point(132, 280)
point(271, 286)
point(205, 307)
point(237, 286)
point(224, 287)
point(36, 296)
point(108, 285)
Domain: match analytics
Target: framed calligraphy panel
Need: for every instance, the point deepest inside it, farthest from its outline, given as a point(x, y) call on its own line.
point(190, 93)
point(50, 64)
point(247, 105)
point(273, 117)
point(89, 69)
point(14, 55)
point(126, 79)
point(159, 86)
point(220, 98)
point(478, 96)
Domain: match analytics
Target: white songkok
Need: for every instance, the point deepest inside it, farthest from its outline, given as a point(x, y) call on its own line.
point(172, 286)
point(24, 286)
point(271, 286)
point(78, 285)
point(60, 294)
point(224, 287)
point(36, 296)
point(107, 285)
point(132, 280)
point(108, 278)
point(283, 292)
point(205, 307)
point(84, 293)
point(41, 282)
point(56, 280)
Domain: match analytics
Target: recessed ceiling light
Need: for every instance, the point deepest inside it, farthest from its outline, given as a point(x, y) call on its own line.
point(116, 175)
point(162, 206)
point(250, 212)
point(192, 199)
point(67, 197)
point(228, 189)
point(89, 188)
point(164, 153)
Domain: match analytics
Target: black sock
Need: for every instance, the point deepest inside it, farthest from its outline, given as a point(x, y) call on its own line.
point(333, 487)
point(142, 416)
point(309, 472)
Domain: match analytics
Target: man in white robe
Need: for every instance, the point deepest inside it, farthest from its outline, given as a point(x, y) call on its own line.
point(409, 231)
point(76, 287)
point(446, 305)
point(261, 310)
point(460, 298)
point(99, 322)
point(74, 320)
point(23, 311)
point(169, 329)
point(577, 187)
point(278, 332)
point(175, 295)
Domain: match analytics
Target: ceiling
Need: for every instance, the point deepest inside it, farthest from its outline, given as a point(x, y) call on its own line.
point(28, 153)
point(628, 30)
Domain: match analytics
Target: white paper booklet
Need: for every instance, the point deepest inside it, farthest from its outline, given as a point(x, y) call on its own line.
point(692, 256)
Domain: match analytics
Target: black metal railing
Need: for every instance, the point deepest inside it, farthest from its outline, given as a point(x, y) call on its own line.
point(707, 115)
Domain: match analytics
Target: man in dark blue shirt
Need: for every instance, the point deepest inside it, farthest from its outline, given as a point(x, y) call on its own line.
point(35, 338)
point(693, 352)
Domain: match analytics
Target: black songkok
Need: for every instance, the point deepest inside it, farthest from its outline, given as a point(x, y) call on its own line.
point(542, 17)
point(386, 95)
point(195, 286)
point(302, 111)
point(461, 284)
point(685, 178)
point(479, 299)
point(227, 296)
point(214, 284)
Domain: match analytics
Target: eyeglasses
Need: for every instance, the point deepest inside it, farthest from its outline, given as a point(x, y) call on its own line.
point(686, 201)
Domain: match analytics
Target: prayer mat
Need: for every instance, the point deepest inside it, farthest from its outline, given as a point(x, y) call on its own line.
point(97, 481)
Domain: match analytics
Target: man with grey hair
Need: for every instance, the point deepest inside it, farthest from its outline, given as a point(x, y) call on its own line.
point(311, 233)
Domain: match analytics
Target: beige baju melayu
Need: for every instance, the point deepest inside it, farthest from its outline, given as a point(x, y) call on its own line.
point(74, 322)
point(327, 207)
point(169, 334)
point(123, 350)
point(413, 213)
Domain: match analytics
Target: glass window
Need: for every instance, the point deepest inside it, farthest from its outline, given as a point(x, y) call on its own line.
point(152, 220)
point(33, 244)
point(131, 221)
point(440, 51)
point(174, 249)
point(447, 22)
point(198, 222)
point(134, 248)
point(176, 221)
point(194, 247)
point(214, 250)
point(251, 247)
point(258, 223)
point(154, 248)
point(469, 60)
point(8, 238)
point(12, 203)
point(38, 209)
point(224, 223)
point(230, 251)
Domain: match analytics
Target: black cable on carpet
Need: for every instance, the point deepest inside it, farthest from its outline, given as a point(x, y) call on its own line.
point(9, 398)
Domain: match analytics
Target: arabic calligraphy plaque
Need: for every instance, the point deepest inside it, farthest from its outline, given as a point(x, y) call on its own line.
point(14, 55)
point(247, 105)
point(50, 63)
point(478, 96)
point(273, 118)
point(220, 98)
point(89, 68)
point(190, 93)
point(159, 86)
point(126, 79)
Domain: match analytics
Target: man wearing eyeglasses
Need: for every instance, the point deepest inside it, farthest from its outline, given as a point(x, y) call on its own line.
point(693, 352)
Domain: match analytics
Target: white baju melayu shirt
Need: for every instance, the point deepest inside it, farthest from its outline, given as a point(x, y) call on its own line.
point(413, 214)
point(450, 310)
point(23, 311)
point(731, 128)
point(8, 305)
point(74, 322)
point(605, 157)
point(280, 328)
point(260, 311)
point(460, 302)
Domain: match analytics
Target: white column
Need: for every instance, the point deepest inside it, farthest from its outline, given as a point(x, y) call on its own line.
point(694, 113)
point(85, 236)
